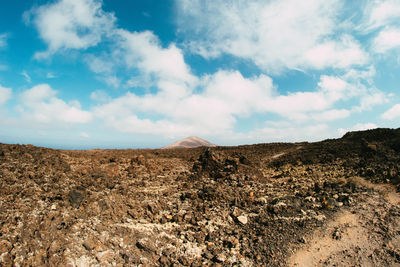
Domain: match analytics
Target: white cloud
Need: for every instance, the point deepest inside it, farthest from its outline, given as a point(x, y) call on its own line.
point(380, 13)
point(283, 131)
point(358, 127)
point(111, 80)
point(224, 97)
point(392, 113)
point(104, 66)
point(275, 35)
point(3, 40)
point(331, 115)
point(387, 39)
point(382, 18)
point(71, 24)
point(371, 99)
point(317, 105)
point(362, 86)
point(26, 76)
point(98, 64)
point(342, 54)
point(5, 94)
point(143, 51)
point(40, 104)
point(99, 96)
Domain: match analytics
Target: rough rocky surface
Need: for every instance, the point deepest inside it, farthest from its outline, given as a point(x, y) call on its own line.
point(331, 203)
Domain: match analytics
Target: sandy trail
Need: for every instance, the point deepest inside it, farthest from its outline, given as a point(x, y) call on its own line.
point(349, 240)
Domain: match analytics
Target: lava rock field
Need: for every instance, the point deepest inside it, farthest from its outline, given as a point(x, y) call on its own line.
point(329, 203)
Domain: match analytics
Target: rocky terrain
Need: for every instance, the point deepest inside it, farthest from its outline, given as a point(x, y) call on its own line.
point(330, 203)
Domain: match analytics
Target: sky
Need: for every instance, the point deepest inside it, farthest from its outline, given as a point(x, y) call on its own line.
point(141, 74)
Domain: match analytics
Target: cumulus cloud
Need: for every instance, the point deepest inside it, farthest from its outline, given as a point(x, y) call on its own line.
point(331, 90)
point(392, 113)
point(70, 24)
point(370, 100)
point(143, 51)
point(275, 35)
point(386, 40)
point(362, 86)
point(378, 14)
point(41, 105)
point(5, 94)
point(340, 54)
point(226, 96)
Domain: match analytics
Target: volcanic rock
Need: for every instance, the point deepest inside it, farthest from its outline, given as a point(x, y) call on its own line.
point(255, 205)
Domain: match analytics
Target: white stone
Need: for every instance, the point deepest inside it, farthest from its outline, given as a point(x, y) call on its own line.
point(242, 219)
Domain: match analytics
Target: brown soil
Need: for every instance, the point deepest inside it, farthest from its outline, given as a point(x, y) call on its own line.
point(331, 203)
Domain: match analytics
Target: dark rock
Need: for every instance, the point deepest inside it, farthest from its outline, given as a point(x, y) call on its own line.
point(146, 245)
point(75, 198)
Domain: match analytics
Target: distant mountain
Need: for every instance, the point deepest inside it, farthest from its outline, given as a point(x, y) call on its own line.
point(189, 142)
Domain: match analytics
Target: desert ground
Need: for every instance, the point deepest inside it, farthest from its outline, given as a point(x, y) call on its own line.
point(329, 203)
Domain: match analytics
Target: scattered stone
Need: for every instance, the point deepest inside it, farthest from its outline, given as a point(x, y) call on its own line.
point(146, 245)
point(278, 207)
point(303, 240)
point(224, 206)
point(310, 199)
point(220, 257)
point(242, 219)
point(208, 255)
point(320, 217)
point(105, 257)
point(336, 234)
point(89, 244)
point(164, 261)
point(236, 212)
point(75, 198)
point(5, 246)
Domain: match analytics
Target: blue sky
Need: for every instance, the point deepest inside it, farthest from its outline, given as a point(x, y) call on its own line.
point(122, 74)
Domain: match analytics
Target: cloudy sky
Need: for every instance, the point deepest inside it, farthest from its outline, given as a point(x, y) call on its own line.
point(117, 73)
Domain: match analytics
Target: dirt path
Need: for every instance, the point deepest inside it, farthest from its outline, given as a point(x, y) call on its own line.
point(278, 155)
point(350, 234)
point(386, 190)
point(355, 236)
